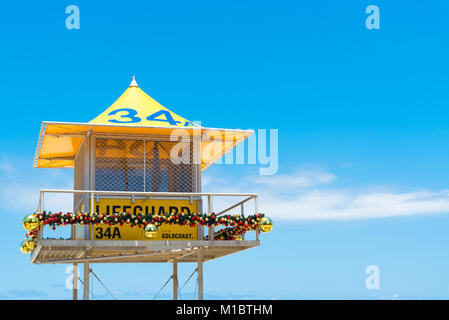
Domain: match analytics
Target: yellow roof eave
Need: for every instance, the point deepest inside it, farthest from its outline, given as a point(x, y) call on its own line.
point(59, 142)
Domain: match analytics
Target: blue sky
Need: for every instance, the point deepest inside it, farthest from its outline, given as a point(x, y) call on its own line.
point(362, 118)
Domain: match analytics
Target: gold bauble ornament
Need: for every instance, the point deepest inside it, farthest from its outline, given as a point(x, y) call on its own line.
point(238, 238)
point(266, 224)
point(31, 222)
point(31, 243)
point(24, 248)
point(150, 231)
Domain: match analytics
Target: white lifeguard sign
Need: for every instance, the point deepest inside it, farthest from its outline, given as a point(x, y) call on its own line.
point(138, 159)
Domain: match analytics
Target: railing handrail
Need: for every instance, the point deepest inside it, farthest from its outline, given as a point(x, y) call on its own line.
point(215, 194)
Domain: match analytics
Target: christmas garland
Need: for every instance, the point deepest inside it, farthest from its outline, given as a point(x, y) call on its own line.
point(235, 225)
point(231, 233)
point(139, 220)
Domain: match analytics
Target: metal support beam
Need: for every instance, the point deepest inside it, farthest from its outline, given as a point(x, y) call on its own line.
point(200, 277)
point(75, 281)
point(121, 256)
point(86, 281)
point(175, 280)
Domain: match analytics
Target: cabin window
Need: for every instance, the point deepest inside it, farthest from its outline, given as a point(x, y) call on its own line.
point(138, 165)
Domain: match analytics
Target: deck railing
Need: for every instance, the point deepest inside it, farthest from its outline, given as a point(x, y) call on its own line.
point(95, 195)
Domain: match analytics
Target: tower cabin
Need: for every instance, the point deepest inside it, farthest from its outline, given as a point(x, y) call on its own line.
point(135, 159)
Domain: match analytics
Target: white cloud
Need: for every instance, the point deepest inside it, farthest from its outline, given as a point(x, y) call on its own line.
point(309, 195)
point(351, 204)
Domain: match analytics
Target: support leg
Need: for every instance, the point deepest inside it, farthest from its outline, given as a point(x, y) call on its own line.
point(175, 281)
point(75, 281)
point(200, 277)
point(86, 281)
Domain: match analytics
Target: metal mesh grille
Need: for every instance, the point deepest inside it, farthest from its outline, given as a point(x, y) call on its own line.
point(138, 165)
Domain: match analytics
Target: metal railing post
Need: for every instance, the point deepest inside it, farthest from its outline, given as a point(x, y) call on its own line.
point(40, 234)
point(92, 210)
point(41, 200)
point(256, 209)
point(242, 211)
point(210, 210)
point(256, 205)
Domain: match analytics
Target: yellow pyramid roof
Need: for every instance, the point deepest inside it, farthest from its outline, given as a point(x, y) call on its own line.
point(133, 113)
point(135, 108)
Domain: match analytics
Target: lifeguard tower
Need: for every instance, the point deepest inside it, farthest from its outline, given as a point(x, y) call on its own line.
point(137, 194)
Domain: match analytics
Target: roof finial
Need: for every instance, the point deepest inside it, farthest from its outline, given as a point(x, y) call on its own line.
point(134, 83)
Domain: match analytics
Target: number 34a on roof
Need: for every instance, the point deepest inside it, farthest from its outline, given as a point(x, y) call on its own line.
point(128, 115)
